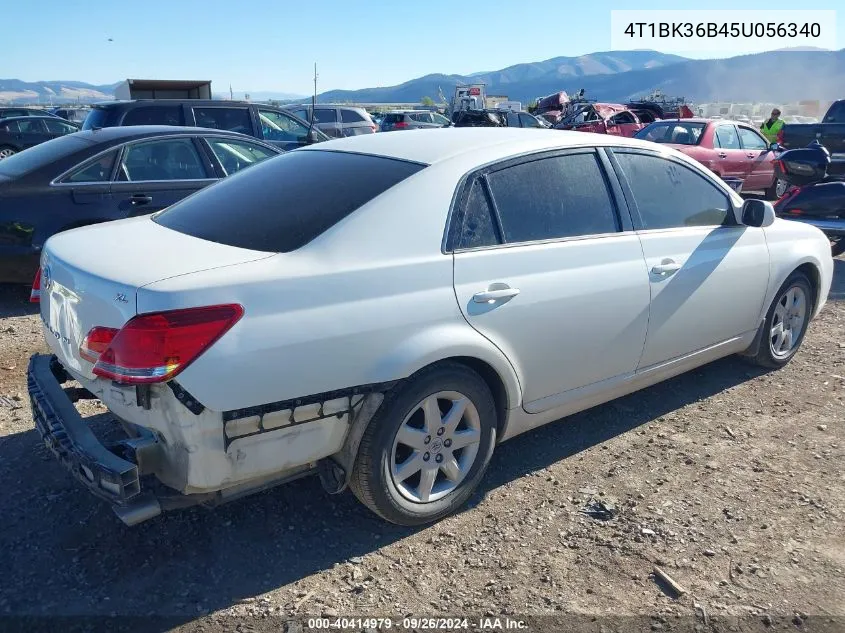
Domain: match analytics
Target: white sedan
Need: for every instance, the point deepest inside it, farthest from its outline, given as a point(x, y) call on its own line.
point(383, 310)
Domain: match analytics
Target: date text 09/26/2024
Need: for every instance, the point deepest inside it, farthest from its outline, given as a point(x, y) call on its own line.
point(416, 624)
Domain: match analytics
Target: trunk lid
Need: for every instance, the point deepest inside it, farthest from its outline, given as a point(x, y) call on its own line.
point(90, 276)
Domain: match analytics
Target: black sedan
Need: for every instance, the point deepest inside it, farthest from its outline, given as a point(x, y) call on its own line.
point(108, 174)
point(18, 133)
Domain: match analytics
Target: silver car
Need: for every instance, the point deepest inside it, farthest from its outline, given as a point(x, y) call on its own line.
point(337, 121)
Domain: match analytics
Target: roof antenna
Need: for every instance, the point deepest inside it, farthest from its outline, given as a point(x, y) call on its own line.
point(310, 136)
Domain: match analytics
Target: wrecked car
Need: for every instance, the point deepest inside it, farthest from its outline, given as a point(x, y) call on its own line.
point(601, 118)
point(383, 313)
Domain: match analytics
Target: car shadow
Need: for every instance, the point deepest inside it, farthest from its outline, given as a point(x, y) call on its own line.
point(14, 301)
point(75, 557)
point(837, 288)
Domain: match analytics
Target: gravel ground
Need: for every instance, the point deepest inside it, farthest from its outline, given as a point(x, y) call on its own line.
point(728, 478)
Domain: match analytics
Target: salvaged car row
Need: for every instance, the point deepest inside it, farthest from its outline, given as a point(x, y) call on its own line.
point(426, 277)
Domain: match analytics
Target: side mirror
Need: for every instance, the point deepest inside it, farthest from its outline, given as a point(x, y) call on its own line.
point(758, 213)
point(775, 147)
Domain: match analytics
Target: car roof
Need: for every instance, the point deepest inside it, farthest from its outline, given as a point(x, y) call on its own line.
point(169, 102)
point(35, 117)
point(138, 131)
point(431, 146)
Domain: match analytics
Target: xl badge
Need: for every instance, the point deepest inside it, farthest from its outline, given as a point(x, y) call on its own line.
point(121, 297)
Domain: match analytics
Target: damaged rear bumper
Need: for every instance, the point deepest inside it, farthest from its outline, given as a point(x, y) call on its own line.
point(111, 473)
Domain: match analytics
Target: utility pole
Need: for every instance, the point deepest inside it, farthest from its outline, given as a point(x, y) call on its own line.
point(314, 101)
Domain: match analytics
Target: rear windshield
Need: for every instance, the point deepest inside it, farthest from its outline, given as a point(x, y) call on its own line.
point(676, 132)
point(40, 155)
point(287, 201)
point(97, 117)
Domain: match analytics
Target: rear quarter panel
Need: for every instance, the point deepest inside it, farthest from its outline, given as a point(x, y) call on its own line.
point(370, 301)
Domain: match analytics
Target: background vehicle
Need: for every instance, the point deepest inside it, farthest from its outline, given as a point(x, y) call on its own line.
point(730, 149)
point(498, 118)
point(102, 175)
point(601, 118)
point(337, 121)
point(74, 115)
point(412, 120)
point(815, 197)
point(207, 359)
point(830, 133)
point(273, 125)
point(19, 133)
point(16, 112)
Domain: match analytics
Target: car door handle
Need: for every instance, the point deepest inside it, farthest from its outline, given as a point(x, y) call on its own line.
point(489, 296)
point(722, 155)
point(750, 155)
point(666, 267)
point(140, 198)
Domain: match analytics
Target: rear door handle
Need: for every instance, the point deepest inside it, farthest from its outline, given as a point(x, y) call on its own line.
point(666, 267)
point(722, 155)
point(489, 296)
point(138, 199)
point(750, 155)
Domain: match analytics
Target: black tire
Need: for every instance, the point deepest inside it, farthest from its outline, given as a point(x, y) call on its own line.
point(7, 150)
point(772, 192)
point(372, 481)
point(766, 355)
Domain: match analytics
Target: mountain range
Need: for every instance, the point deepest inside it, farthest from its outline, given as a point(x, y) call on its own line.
point(776, 76)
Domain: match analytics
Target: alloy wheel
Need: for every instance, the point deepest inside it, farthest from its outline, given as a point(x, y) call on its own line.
point(435, 447)
point(6, 152)
point(788, 322)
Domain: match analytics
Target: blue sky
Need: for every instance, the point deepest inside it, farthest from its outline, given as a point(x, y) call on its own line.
point(272, 44)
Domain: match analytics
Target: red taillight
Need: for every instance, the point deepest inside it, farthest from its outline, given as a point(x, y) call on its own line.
point(96, 342)
point(155, 347)
point(35, 293)
point(400, 125)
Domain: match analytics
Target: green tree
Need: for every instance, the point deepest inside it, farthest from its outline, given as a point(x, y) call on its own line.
point(427, 101)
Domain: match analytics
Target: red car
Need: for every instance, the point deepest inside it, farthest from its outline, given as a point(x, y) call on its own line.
point(603, 118)
point(731, 149)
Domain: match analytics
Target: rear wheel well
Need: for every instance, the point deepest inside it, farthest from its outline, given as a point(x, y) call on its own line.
point(812, 273)
point(494, 382)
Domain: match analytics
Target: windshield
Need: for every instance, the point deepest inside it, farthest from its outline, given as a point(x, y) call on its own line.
point(675, 132)
point(40, 155)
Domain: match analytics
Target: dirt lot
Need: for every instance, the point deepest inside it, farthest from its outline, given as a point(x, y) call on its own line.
point(729, 479)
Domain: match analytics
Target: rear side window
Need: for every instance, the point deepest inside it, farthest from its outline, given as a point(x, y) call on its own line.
point(98, 170)
point(325, 115)
point(232, 119)
point(165, 159)
point(670, 195)
point(726, 137)
point(97, 118)
point(155, 115)
point(478, 228)
point(561, 196)
point(351, 116)
point(393, 118)
point(282, 204)
point(836, 114)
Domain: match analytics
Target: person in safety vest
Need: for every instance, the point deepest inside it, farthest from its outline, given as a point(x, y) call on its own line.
point(772, 126)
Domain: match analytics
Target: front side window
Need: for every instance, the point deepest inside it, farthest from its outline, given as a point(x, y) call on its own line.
point(622, 118)
point(10, 126)
point(421, 117)
point(166, 159)
point(751, 140)
point(440, 119)
point(836, 113)
point(235, 156)
point(155, 115)
point(556, 197)
point(276, 126)
point(670, 195)
point(98, 170)
point(303, 114)
point(726, 137)
point(232, 119)
point(284, 203)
